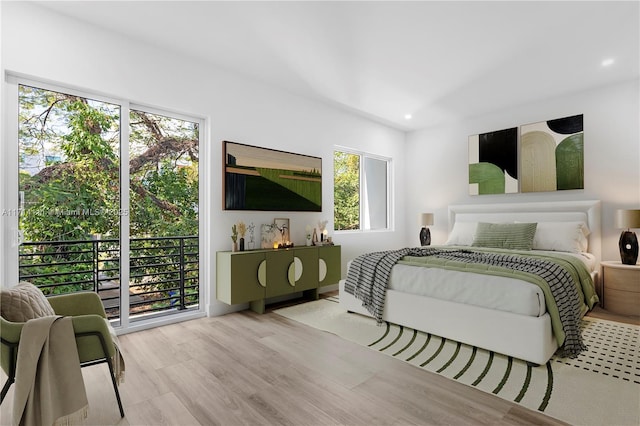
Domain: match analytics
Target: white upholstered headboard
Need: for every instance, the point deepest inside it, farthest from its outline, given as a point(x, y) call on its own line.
point(587, 211)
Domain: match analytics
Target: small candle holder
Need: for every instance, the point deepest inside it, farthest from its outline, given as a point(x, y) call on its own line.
point(285, 245)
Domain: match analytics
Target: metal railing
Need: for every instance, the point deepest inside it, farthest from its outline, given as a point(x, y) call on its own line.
point(163, 271)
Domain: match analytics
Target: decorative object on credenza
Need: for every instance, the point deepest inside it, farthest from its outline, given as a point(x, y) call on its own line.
point(286, 245)
point(268, 236)
point(252, 241)
point(628, 243)
point(322, 229)
point(234, 238)
point(493, 162)
point(552, 155)
point(426, 219)
point(282, 227)
point(314, 237)
point(308, 235)
point(258, 178)
point(242, 230)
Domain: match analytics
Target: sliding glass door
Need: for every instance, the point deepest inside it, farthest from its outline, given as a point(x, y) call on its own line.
point(164, 211)
point(108, 202)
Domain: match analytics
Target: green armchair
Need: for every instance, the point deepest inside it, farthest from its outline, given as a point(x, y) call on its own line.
point(94, 342)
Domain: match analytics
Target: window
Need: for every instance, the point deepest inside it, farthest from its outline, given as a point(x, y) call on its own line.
point(361, 191)
point(107, 210)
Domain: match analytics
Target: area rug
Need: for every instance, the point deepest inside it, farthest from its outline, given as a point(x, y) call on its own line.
point(600, 387)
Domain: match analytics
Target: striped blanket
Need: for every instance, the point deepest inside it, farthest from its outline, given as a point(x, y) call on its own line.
point(368, 278)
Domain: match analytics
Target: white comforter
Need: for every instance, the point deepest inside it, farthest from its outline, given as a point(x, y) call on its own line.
point(493, 292)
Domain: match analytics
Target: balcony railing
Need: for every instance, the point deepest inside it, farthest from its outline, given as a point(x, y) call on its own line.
point(163, 271)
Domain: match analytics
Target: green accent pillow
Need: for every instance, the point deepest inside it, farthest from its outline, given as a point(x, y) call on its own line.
point(514, 236)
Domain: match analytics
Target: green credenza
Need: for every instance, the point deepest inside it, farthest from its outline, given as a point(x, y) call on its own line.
point(256, 275)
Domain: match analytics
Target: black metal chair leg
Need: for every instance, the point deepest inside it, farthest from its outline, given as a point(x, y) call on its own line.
point(11, 379)
point(115, 386)
point(5, 388)
point(13, 347)
point(110, 364)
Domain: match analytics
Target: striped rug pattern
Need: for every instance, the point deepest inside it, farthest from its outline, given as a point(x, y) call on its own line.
point(600, 387)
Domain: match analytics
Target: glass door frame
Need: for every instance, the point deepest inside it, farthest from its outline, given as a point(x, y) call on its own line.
point(9, 190)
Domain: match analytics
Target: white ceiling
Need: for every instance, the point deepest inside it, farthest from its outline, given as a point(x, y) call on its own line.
point(437, 61)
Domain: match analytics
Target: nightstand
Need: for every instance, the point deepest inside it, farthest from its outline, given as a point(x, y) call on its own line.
point(621, 288)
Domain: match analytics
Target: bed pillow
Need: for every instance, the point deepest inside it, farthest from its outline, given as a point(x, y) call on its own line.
point(462, 234)
point(24, 302)
point(562, 236)
point(514, 236)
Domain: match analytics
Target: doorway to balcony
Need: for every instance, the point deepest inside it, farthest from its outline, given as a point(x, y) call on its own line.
point(109, 202)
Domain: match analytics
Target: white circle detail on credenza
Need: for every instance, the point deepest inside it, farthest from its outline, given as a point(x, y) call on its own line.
point(322, 269)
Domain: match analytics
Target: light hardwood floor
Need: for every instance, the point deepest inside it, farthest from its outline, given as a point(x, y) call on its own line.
point(598, 312)
point(245, 368)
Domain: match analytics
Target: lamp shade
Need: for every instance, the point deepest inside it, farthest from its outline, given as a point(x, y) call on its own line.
point(426, 219)
point(626, 219)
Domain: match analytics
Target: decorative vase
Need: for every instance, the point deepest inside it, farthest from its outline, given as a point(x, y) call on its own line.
point(628, 245)
point(234, 246)
point(425, 236)
point(314, 238)
point(241, 246)
point(309, 242)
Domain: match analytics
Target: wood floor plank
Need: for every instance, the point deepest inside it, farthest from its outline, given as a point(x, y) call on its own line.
point(345, 405)
point(250, 369)
point(163, 410)
point(141, 381)
point(324, 362)
point(207, 398)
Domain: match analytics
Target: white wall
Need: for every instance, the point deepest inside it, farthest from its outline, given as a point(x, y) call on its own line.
point(437, 159)
point(3, 234)
point(44, 45)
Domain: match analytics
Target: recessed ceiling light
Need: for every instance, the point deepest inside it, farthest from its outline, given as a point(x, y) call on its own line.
point(407, 116)
point(607, 62)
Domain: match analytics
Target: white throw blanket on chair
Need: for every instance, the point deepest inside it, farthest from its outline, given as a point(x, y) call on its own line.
point(49, 387)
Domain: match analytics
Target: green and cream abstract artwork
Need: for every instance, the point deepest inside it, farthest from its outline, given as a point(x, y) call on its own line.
point(552, 155)
point(493, 162)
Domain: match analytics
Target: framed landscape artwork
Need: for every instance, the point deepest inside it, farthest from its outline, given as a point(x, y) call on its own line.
point(552, 155)
point(493, 162)
point(258, 178)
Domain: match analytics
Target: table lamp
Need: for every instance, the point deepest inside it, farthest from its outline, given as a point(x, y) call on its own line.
point(426, 219)
point(628, 243)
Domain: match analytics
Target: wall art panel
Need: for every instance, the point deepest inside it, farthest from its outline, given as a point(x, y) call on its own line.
point(552, 155)
point(258, 178)
point(493, 162)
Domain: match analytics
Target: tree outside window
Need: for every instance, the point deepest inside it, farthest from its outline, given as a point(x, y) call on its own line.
point(361, 191)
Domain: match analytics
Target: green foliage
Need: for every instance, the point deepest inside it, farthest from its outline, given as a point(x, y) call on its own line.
point(85, 143)
point(70, 173)
point(179, 187)
point(346, 191)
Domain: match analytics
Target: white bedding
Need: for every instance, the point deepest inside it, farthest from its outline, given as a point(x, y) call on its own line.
point(488, 291)
point(501, 293)
point(530, 338)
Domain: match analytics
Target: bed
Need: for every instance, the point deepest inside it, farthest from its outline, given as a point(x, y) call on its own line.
point(519, 331)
